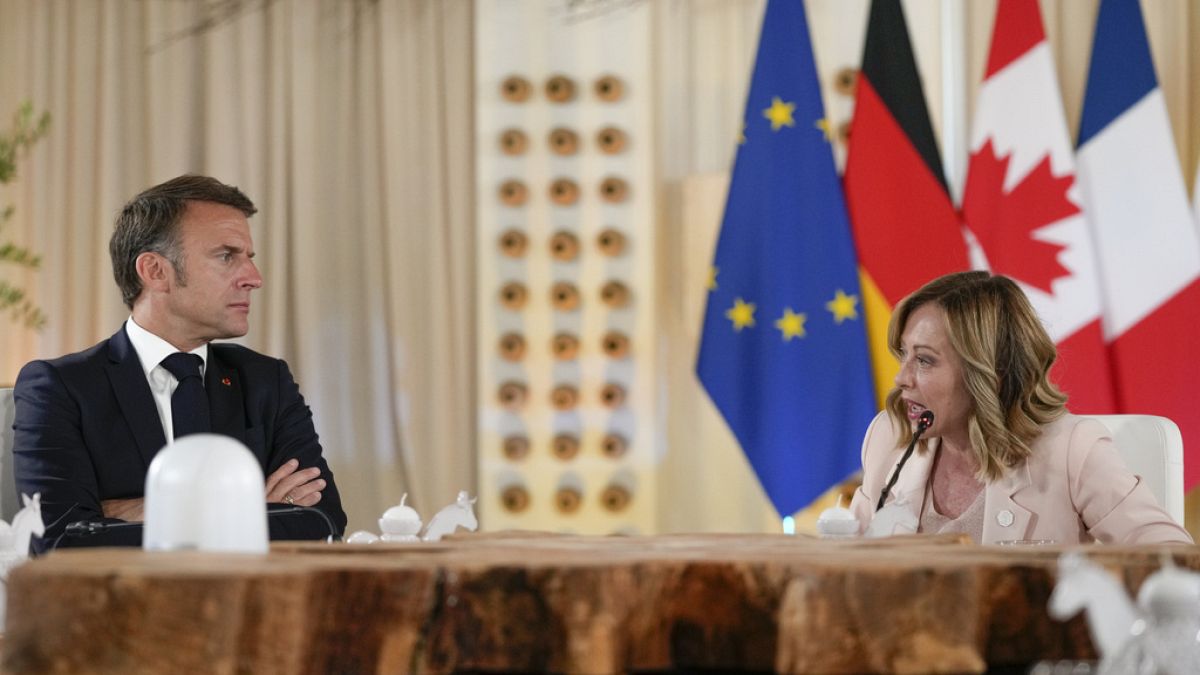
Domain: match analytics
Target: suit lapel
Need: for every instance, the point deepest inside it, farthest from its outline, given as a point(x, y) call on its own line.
point(225, 398)
point(133, 394)
point(1004, 518)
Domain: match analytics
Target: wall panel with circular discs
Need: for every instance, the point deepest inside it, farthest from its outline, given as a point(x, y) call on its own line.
point(566, 215)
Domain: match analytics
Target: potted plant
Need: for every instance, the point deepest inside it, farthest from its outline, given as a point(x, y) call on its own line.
point(25, 131)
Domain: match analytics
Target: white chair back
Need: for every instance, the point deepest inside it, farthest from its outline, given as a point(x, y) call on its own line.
point(1153, 449)
point(9, 503)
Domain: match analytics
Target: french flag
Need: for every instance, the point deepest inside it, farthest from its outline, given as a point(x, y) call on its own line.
point(1146, 240)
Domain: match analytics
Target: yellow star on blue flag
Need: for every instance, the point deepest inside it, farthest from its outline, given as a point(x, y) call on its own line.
point(791, 324)
point(780, 114)
point(843, 306)
point(796, 391)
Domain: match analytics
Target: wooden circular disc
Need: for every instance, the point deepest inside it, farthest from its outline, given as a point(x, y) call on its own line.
point(563, 141)
point(565, 446)
point(564, 397)
point(513, 142)
point(514, 498)
point(615, 294)
point(564, 346)
point(613, 446)
point(614, 190)
point(564, 192)
point(512, 347)
point(564, 296)
point(513, 295)
point(615, 344)
point(610, 242)
point(845, 81)
point(513, 193)
point(564, 246)
point(609, 88)
point(516, 448)
point(513, 243)
point(612, 395)
point(516, 89)
point(512, 395)
point(611, 140)
point(615, 498)
point(567, 500)
point(560, 89)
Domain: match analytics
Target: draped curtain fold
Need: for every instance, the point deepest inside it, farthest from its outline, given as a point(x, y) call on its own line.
point(349, 123)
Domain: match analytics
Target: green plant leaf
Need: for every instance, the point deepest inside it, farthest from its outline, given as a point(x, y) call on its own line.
point(27, 128)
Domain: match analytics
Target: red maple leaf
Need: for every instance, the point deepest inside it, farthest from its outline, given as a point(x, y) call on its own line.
point(1004, 222)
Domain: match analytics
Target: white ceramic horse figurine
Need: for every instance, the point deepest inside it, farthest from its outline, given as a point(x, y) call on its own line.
point(1083, 584)
point(28, 522)
point(459, 514)
point(14, 542)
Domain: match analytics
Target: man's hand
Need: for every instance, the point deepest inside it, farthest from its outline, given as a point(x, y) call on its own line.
point(125, 509)
point(290, 484)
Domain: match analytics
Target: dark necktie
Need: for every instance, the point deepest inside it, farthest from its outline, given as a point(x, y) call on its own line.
point(189, 404)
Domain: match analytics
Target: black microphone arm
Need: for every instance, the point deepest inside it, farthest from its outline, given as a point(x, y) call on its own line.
point(109, 532)
point(923, 422)
point(88, 528)
point(83, 528)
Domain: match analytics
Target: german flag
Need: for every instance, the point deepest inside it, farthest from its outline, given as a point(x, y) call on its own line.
point(905, 226)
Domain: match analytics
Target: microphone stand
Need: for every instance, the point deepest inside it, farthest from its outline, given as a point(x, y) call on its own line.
point(923, 423)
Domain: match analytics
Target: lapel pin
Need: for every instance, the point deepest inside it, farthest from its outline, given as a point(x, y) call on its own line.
point(226, 381)
point(1005, 518)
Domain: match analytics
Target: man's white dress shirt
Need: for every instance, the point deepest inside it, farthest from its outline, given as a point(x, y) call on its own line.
point(151, 350)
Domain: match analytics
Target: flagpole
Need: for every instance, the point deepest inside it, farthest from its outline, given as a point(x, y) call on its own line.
point(954, 95)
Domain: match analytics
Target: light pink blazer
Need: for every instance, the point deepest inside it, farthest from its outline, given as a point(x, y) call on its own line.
point(1073, 488)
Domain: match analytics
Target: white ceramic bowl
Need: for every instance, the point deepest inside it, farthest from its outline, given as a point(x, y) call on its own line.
point(399, 525)
point(837, 522)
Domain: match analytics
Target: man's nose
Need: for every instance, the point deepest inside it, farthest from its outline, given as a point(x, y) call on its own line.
point(252, 278)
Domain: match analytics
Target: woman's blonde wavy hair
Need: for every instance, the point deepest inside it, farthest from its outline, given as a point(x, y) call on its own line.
point(1006, 357)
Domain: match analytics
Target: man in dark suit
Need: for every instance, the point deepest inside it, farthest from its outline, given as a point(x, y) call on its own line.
point(88, 424)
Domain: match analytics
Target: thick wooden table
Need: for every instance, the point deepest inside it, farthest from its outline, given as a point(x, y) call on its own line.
point(559, 603)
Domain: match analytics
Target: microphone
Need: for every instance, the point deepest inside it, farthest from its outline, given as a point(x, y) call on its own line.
point(99, 533)
point(923, 423)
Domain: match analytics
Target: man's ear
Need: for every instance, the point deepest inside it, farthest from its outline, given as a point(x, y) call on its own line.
point(155, 271)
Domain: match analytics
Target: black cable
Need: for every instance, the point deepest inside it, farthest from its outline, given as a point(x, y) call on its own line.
point(295, 509)
point(87, 528)
point(923, 423)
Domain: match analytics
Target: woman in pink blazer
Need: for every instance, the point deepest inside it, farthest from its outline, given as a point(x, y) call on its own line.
point(1002, 459)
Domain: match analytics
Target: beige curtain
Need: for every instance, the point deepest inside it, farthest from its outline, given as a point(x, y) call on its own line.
point(349, 123)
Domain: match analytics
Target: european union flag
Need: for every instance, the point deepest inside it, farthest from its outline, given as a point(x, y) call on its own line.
point(783, 352)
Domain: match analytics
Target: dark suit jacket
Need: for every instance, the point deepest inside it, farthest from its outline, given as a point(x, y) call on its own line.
point(87, 427)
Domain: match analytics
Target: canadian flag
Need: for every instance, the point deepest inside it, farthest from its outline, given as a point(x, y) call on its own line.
point(1021, 206)
point(1146, 239)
